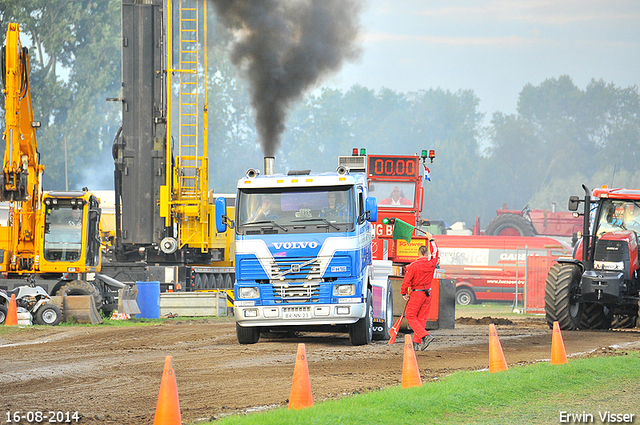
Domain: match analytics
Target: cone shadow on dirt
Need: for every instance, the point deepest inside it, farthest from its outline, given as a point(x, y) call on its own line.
point(558, 353)
point(168, 407)
point(497, 361)
point(410, 371)
point(300, 396)
point(12, 312)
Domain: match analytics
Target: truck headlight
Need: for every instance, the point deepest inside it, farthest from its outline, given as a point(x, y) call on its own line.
point(248, 292)
point(344, 290)
point(608, 265)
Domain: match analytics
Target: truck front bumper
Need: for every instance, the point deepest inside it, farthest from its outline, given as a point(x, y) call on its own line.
point(299, 315)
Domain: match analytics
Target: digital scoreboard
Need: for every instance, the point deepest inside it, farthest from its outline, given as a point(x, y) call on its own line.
point(392, 166)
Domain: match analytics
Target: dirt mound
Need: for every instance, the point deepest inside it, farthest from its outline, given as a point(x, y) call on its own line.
point(487, 320)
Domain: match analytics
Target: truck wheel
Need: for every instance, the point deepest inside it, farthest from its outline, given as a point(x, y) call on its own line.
point(3, 314)
point(510, 225)
point(48, 314)
point(247, 335)
point(388, 319)
point(465, 296)
point(595, 316)
point(361, 332)
point(561, 296)
point(81, 287)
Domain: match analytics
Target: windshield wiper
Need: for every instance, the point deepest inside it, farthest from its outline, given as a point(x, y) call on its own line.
point(327, 222)
point(267, 222)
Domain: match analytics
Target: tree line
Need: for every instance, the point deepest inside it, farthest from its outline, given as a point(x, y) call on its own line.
point(560, 137)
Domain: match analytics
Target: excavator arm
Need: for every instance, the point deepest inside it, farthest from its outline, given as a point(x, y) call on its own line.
point(19, 180)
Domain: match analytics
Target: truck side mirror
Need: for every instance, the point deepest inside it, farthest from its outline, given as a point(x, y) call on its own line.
point(574, 201)
point(372, 208)
point(221, 215)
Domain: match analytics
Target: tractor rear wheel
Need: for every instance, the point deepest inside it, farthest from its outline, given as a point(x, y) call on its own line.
point(595, 316)
point(624, 321)
point(510, 225)
point(561, 296)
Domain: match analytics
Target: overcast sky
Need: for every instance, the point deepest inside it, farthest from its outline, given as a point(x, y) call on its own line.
point(494, 47)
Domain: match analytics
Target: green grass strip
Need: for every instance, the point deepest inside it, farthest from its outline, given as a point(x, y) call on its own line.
point(534, 394)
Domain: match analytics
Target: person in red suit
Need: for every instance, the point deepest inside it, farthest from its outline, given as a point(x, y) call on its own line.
point(418, 278)
point(396, 198)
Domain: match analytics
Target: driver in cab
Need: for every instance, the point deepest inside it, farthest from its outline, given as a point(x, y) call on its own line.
point(266, 211)
point(333, 209)
point(76, 218)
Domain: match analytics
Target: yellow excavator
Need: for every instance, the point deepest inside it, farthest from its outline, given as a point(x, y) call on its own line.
point(49, 239)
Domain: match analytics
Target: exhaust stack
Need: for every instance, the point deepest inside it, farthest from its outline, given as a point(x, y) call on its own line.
point(269, 165)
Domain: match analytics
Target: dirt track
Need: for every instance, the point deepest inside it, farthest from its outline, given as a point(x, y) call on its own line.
point(111, 375)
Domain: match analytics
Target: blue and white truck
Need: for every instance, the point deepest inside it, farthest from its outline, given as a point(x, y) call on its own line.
point(303, 255)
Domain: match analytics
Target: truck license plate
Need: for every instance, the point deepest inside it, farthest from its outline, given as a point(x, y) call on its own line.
point(297, 315)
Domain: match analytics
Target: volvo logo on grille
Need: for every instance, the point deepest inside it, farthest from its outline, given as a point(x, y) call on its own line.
point(295, 245)
point(295, 268)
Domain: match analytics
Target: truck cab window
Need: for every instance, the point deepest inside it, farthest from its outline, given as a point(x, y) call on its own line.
point(325, 209)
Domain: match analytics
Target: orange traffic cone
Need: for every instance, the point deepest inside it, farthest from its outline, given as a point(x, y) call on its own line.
point(301, 397)
point(410, 371)
point(497, 362)
point(12, 312)
point(558, 353)
point(168, 407)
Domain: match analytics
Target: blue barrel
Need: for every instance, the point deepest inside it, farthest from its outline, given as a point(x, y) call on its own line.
point(149, 299)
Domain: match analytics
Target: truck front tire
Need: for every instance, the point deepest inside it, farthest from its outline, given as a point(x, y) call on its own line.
point(361, 332)
point(247, 335)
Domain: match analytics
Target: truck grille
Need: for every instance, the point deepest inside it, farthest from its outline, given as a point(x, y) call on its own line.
point(296, 292)
point(295, 268)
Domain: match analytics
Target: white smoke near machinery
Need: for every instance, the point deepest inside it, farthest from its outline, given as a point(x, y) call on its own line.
point(284, 47)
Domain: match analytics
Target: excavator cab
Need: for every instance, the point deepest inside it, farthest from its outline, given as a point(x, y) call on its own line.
point(71, 233)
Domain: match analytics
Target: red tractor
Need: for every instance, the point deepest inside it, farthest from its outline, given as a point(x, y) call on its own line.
point(599, 287)
point(533, 222)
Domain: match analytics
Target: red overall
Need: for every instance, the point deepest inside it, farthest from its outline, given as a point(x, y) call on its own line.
point(419, 277)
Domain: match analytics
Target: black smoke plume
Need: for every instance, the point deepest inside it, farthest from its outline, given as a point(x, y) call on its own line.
point(284, 47)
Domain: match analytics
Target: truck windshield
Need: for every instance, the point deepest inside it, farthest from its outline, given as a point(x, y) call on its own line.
point(299, 210)
point(62, 233)
point(393, 194)
point(618, 215)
